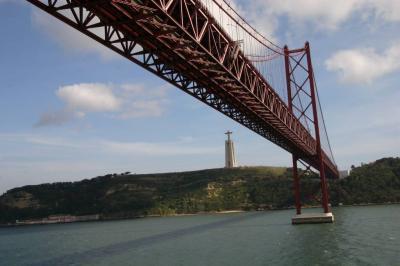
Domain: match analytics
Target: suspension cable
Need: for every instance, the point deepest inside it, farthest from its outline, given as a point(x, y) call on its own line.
point(323, 121)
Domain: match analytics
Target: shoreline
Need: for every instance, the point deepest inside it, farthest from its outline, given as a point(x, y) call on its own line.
point(39, 222)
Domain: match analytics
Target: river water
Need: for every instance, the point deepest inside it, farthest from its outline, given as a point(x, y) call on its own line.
point(360, 236)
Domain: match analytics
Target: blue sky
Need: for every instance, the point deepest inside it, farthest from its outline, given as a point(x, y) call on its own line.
point(55, 127)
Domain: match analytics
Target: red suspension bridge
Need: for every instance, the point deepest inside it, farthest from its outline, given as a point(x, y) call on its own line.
point(206, 49)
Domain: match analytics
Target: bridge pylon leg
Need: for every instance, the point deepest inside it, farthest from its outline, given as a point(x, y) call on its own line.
point(324, 188)
point(296, 185)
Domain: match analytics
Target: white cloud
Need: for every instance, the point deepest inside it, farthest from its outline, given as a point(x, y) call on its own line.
point(91, 97)
point(328, 14)
point(388, 10)
point(124, 102)
point(363, 66)
point(324, 13)
point(320, 15)
point(261, 19)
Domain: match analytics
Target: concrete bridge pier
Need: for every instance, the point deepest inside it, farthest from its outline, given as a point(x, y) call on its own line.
point(313, 218)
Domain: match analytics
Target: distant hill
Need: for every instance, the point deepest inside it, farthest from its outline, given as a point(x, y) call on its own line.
point(246, 188)
point(376, 182)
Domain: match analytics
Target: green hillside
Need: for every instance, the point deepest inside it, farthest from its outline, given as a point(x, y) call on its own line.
point(377, 182)
point(246, 188)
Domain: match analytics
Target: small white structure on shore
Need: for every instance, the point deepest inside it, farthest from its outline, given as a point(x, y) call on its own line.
point(230, 158)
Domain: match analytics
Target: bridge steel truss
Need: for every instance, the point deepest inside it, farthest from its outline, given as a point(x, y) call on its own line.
point(180, 41)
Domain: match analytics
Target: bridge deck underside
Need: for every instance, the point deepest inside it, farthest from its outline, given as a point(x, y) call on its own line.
point(179, 41)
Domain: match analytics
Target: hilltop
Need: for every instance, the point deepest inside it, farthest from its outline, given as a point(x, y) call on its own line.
point(246, 188)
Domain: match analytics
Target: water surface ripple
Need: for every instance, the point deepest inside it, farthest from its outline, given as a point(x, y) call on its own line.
point(360, 236)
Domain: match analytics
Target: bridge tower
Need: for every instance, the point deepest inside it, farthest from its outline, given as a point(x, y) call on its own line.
point(303, 104)
point(230, 158)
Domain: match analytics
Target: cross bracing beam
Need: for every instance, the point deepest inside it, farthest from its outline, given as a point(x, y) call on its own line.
point(179, 41)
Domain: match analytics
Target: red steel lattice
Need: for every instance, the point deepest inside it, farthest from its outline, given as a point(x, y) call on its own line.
point(180, 41)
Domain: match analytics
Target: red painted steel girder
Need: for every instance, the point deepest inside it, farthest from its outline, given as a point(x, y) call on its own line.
point(179, 41)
